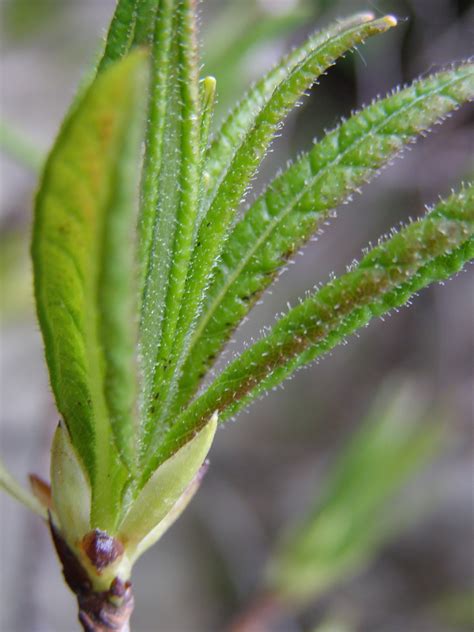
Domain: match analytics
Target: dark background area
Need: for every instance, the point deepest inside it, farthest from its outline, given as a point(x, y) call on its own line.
point(267, 466)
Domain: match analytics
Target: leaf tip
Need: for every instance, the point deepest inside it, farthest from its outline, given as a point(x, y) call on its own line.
point(390, 21)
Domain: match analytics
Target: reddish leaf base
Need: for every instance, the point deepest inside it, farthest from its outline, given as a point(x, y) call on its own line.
point(98, 612)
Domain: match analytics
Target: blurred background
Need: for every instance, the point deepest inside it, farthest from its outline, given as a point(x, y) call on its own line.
point(288, 456)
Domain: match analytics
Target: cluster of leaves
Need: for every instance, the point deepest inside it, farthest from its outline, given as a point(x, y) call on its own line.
point(132, 326)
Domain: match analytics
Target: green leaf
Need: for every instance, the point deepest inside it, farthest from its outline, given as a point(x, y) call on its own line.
point(214, 226)
point(143, 524)
point(70, 489)
point(355, 515)
point(241, 119)
point(426, 251)
point(120, 34)
point(170, 197)
point(297, 201)
point(84, 276)
point(227, 51)
point(16, 491)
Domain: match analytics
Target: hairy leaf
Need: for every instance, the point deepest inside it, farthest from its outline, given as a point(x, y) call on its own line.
point(170, 196)
point(120, 34)
point(426, 251)
point(69, 488)
point(84, 276)
point(293, 205)
point(239, 122)
point(214, 226)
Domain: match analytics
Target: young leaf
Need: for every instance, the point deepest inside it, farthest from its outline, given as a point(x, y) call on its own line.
point(84, 276)
point(70, 489)
point(120, 34)
point(170, 196)
point(426, 251)
point(293, 205)
point(227, 51)
point(214, 226)
point(241, 119)
point(354, 515)
point(163, 491)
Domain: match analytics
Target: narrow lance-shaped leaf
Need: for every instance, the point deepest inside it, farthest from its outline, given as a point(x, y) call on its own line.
point(239, 122)
point(227, 51)
point(428, 250)
point(207, 100)
point(170, 196)
point(145, 21)
point(120, 33)
point(293, 205)
point(214, 226)
point(84, 276)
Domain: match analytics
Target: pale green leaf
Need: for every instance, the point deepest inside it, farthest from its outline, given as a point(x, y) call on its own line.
point(84, 276)
point(143, 524)
point(70, 489)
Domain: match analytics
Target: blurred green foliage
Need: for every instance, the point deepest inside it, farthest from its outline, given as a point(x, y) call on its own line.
point(357, 511)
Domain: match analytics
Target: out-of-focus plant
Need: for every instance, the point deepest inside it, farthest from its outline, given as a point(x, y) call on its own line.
point(356, 511)
point(134, 307)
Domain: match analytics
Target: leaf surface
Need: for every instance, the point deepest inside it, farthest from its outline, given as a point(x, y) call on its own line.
point(120, 34)
point(84, 276)
point(214, 226)
point(426, 251)
point(170, 196)
point(296, 202)
point(239, 122)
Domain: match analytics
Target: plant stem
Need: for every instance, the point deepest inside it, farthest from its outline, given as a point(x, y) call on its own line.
point(107, 611)
point(259, 615)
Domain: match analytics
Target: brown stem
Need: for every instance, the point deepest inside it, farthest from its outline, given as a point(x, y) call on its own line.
point(258, 617)
point(107, 611)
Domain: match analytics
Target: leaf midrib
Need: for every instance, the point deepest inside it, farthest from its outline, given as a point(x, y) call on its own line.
point(314, 180)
